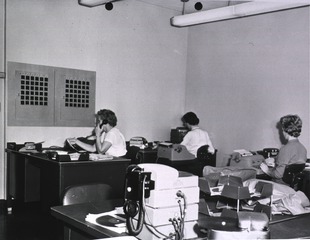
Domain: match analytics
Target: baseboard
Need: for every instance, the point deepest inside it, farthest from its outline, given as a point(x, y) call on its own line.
point(3, 207)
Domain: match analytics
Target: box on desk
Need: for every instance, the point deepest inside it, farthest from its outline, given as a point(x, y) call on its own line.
point(247, 161)
point(174, 152)
point(164, 204)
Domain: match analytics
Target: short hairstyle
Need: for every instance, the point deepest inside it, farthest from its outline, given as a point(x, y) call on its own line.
point(190, 118)
point(107, 116)
point(291, 124)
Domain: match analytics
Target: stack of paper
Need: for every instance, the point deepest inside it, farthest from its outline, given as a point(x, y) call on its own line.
point(110, 220)
point(99, 157)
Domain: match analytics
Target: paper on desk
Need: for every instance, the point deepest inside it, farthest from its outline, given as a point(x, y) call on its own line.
point(74, 156)
point(99, 157)
point(119, 228)
point(60, 152)
point(121, 238)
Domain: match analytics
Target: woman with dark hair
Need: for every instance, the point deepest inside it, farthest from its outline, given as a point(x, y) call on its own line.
point(293, 152)
point(196, 137)
point(109, 140)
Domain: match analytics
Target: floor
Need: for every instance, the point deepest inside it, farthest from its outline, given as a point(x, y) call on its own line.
point(29, 224)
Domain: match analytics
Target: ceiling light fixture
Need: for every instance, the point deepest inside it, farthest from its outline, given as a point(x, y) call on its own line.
point(94, 3)
point(235, 11)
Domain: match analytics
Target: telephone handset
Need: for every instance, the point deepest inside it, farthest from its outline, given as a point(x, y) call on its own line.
point(140, 180)
point(137, 187)
point(29, 146)
point(102, 122)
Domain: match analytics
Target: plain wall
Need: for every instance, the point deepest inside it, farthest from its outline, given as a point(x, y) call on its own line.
point(139, 59)
point(2, 19)
point(240, 76)
point(244, 74)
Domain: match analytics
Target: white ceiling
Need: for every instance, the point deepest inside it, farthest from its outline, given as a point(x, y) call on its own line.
point(189, 6)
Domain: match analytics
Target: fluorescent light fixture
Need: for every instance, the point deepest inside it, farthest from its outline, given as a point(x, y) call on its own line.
point(93, 3)
point(235, 11)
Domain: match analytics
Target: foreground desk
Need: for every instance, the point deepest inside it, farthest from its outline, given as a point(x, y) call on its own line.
point(73, 216)
point(34, 177)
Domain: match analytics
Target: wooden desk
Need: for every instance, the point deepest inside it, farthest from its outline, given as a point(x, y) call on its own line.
point(34, 177)
point(73, 216)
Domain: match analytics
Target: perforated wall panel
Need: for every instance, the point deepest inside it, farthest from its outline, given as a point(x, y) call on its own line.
point(50, 96)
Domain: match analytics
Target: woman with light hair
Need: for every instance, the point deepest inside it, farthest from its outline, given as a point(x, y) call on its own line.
point(293, 152)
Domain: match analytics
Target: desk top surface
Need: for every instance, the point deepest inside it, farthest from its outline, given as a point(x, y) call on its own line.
point(44, 156)
point(281, 226)
point(75, 214)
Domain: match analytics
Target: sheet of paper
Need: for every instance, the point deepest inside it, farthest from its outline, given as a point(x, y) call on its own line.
point(99, 157)
point(109, 220)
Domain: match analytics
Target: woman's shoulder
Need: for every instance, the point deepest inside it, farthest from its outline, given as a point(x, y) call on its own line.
point(293, 146)
point(115, 131)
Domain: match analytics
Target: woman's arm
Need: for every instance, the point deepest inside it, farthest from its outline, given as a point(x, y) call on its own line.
point(281, 160)
point(85, 146)
point(101, 147)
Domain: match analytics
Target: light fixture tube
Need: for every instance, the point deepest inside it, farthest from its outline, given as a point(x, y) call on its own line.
point(258, 7)
point(234, 11)
point(93, 3)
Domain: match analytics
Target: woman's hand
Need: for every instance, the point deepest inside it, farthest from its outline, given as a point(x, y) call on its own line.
point(264, 168)
point(270, 162)
point(98, 130)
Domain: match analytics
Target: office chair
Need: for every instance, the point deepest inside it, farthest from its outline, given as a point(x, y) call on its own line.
point(207, 158)
point(204, 158)
point(293, 175)
point(84, 193)
point(195, 166)
point(133, 154)
point(93, 192)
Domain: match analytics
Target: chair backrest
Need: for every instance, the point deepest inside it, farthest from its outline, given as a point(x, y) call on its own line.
point(132, 153)
point(204, 155)
point(292, 172)
point(94, 192)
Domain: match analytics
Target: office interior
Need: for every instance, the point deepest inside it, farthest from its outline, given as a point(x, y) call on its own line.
point(240, 76)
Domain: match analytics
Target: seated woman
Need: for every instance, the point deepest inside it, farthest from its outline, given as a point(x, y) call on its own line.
point(293, 152)
point(109, 140)
point(196, 137)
